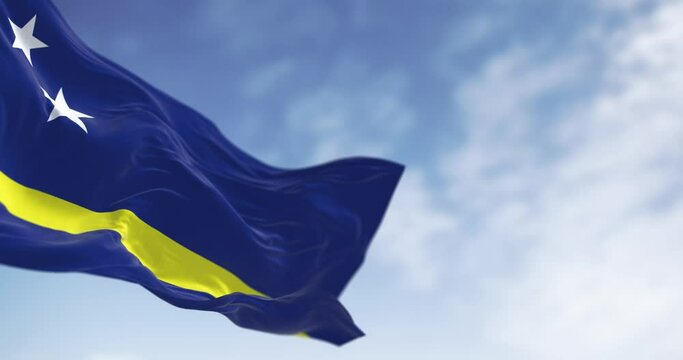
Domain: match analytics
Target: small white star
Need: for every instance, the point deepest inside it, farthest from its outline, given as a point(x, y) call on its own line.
point(61, 108)
point(24, 39)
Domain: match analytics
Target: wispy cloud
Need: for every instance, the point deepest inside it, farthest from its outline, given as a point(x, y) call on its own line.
point(504, 112)
point(624, 5)
point(346, 117)
point(271, 76)
point(251, 28)
point(113, 357)
point(416, 233)
point(579, 210)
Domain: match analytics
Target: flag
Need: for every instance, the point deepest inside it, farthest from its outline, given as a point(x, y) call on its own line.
point(101, 173)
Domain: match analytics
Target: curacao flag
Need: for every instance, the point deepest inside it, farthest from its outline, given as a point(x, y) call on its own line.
point(102, 173)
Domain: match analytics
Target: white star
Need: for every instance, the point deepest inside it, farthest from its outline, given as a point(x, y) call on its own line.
point(24, 39)
point(61, 108)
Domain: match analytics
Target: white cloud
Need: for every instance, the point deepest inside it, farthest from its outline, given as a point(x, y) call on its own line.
point(463, 38)
point(113, 357)
point(265, 79)
point(250, 24)
point(347, 120)
point(501, 123)
point(413, 232)
point(576, 248)
point(623, 5)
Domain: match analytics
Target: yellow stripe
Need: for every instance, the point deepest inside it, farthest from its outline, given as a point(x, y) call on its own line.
point(166, 259)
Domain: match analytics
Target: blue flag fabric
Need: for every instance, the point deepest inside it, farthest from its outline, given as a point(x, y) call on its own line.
point(101, 173)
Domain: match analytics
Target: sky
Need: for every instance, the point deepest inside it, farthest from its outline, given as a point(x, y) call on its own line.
point(540, 213)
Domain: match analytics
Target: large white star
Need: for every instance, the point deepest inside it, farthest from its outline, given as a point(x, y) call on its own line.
point(24, 39)
point(61, 108)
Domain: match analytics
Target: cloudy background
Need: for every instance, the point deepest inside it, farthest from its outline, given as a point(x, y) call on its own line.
point(541, 212)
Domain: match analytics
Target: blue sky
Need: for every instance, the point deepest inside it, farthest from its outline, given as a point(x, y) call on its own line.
point(540, 213)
